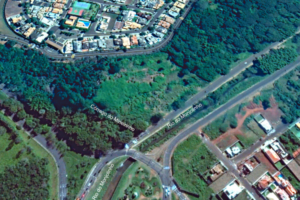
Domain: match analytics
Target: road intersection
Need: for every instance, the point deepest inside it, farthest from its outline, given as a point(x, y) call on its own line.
point(165, 170)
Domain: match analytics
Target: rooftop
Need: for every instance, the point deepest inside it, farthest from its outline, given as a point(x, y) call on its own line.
point(294, 168)
point(218, 185)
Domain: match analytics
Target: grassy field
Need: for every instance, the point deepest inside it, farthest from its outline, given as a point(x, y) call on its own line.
point(93, 191)
point(8, 156)
point(139, 178)
point(190, 160)
point(78, 168)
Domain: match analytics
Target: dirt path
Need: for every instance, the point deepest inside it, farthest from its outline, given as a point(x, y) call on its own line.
point(273, 114)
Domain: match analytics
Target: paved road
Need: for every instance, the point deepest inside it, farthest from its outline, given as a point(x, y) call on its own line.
point(63, 191)
point(200, 95)
point(221, 110)
point(231, 167)
point(245, 154)
point(136, 51)
point(134, 154)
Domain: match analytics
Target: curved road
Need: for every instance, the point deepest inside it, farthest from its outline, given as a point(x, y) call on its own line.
point(129, 52)
point(164, 171)
point(221, 110)
point(63, 191)
point(200, 95)
point(134, 154)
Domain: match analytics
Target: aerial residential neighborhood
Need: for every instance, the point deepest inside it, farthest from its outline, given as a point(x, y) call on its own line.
point(85, 26)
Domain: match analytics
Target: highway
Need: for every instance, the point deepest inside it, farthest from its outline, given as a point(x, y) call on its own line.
point(134, 154)
point(200, 95)
point(221, 110)
point(165, 172)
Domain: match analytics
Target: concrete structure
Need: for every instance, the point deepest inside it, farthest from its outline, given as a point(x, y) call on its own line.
point(42, 37)
point(29, 32)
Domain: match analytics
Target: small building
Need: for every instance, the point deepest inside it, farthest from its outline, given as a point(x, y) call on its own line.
point(134, 40)
point(101, 44)
point(29, 32)
point(47, 21)
point(77, 46)
point(173, 14)
point(71, 21)
point(54, 44)
point(93, 45)
point(110, 44)
point(132, 25)
point(42, 37)
point(57, 11)
point(159, 4)
point(16, 19)
point(179, 5)
point(264, 123)
point(126, 42)
point(58, 5)
point(118, 42)
point(142, 21)
point(130, 15)
point(272, 155)
point(142, 42)
point(169, 19)
point(158, 34)
point(222, 182)
point(164, 24)
point(161, 29)
point(232, 190)
point(85, 46)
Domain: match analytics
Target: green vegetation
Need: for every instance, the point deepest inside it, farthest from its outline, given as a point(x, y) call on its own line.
point(190, 160)
point(95, 189)
point(290, 142)
point(138, 178)
point(21, 150)
point(26, 180)
point(240, 83)
point(78, 168)
point(216, 37)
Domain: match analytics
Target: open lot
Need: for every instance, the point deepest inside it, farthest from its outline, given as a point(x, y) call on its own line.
point(12, 8)
point(190, 160)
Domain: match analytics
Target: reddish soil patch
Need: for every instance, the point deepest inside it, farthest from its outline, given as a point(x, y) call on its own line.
point(272, 114)
point(296, 153)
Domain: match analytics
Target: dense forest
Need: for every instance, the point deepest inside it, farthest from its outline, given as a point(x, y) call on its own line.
point(213, 34)
point(26, 180)
point(137, 90)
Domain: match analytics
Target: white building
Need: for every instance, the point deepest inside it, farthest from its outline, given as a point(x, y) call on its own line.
point(42, 37)
point(232, 190)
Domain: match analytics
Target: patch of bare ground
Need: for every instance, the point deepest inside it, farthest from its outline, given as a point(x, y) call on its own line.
point(272, 114)
point(158, 152)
